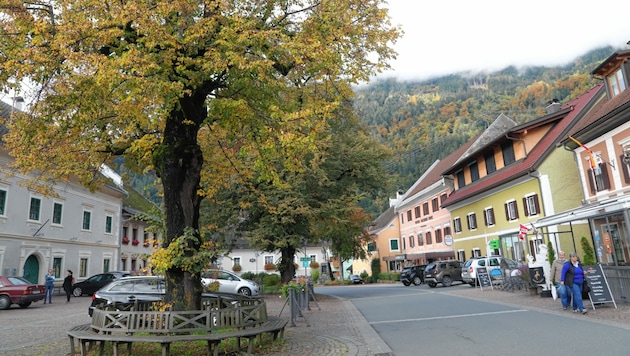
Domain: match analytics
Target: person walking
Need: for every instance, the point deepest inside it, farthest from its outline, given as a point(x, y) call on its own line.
point(68, 282)
point(50, 286)
point(573, 277)
point(556, 272)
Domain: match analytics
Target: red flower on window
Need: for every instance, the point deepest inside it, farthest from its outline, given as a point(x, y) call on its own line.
point(135, 242)
point(125, 240)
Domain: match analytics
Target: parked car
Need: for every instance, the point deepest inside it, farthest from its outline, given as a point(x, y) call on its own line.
point(129, 290)
point(412, 274)
point(445, 272)
point(355, 279)
point(96, 282)
point(492, 264)
point(230, 282)
point(17, 290)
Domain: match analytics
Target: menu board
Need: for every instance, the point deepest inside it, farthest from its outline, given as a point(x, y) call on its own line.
point(600, 291)
point(483, 277)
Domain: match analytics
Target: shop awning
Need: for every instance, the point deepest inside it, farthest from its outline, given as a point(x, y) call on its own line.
point(585, 212)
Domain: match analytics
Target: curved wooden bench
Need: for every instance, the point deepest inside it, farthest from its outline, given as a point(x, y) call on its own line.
point(139, 323)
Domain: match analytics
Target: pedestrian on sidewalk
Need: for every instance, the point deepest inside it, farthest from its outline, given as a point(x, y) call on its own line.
point(573, 277)
point(556, 272)
point(50, 286)
point(68, 282)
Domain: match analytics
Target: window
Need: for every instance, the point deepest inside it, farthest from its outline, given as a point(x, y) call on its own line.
point(461, 255)
point(616, 83)
point(435, 204)
point(411, 242)
point(87, 219)
point(106, 265)
point(491, 166)
point(404, 243)
point(476, 252)
point(425, 208)
point(269, 260)
point(417, 212)
point(447, 230)
point(457, 225)
point(428, 238)
point(57, 266)
point(33, 211)
point(488, 216)
point(57, 210)
point(511, 210)
point(508, 153)
point(420, 239)
point(474, 171)
point(598, 178)
point(83, 263)
point(393, 245)
point(438, 236)
point(313, 258)
point(371, 247)
point(108, 224)
point(461, 180)
point(236, 261)
point(402, 218)
point(442, 199)
point(531, 205)
point(3, 201)
point(409, 217)
point(472, 221)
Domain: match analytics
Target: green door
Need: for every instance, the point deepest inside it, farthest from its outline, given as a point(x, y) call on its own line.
point(31, 269)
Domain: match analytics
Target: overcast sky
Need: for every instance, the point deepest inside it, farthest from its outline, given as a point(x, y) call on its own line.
point(449, 36)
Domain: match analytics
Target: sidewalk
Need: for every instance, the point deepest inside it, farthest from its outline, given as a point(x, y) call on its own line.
point(340, 329)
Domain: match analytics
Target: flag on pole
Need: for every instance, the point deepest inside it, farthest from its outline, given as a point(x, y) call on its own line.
point(522, 232)
point(591, 156)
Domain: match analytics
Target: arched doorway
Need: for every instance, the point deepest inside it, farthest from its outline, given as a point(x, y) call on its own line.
point(31, 269)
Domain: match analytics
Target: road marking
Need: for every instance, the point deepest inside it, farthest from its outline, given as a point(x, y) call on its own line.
point(447, 317)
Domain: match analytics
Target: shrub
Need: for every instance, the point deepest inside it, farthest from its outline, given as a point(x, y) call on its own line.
point(271, 280)
point(315, 275)
point(364, 275)
point(589, 253)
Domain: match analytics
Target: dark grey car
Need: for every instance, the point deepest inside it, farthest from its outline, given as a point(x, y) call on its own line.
point(130, 290)
point(412, 274)
point(445, 272)
point(96, 282)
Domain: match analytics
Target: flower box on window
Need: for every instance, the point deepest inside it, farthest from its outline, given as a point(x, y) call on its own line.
point(125, 240)
point(135, 242)
point(156, 243)
point(270, 267)
point(146, 243)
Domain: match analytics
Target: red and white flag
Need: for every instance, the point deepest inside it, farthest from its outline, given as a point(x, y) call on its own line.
point(522, 232)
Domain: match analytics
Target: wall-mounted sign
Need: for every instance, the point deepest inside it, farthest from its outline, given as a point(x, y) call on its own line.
point(448, 240)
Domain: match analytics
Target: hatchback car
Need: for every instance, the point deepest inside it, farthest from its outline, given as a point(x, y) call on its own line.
point(412, 274)
point(492, 265)
point(96, 282)
point(17, 290)
point(445, 272)
point(230, 282)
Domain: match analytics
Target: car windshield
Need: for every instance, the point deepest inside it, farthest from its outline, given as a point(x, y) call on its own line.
point(430, 267)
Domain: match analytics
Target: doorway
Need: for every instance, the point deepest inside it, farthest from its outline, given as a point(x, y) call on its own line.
point(31, 269)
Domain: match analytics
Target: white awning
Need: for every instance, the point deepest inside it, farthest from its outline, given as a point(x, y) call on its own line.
point(585, 212)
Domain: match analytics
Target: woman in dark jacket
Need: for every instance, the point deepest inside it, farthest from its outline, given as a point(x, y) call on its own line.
point(68, 282)
point(573, 277)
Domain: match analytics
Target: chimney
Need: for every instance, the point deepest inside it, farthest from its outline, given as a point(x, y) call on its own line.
point(553, 106)
point(18, 103)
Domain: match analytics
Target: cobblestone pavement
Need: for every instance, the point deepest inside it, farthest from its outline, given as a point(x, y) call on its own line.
point(335, 328)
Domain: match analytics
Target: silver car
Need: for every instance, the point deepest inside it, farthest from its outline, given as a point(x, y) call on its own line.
point(230, 282)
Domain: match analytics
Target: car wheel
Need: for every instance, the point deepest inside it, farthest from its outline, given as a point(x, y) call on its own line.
point(406, 284)
point(24, 305)
point(5, 302)
point(447, 281)
point(417, 281)
point(472, 284)
point(245, 291)
point(432, 285)
point(77, 292)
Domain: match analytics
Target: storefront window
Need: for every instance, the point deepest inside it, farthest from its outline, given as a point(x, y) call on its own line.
point(611, 240)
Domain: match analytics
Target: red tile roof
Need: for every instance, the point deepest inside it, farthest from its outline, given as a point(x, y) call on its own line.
point(537, 155)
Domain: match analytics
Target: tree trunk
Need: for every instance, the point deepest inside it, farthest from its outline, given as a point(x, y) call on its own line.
point(178, 162)
point(340, 270)
point(287, 268)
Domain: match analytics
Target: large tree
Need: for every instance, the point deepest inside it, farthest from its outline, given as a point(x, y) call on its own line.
point(147, 79)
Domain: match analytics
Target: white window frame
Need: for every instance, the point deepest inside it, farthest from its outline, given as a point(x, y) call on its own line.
point(111, 225)
point(89, 211)
point(531, 208)
point(5, 201)
point(512, 210)
point(472, 221)
point(457, 225)
point(489, 217)
point(54, 205)
point(39, 209)
point(397, 244)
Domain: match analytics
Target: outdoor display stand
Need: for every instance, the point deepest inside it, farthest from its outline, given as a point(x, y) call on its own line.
point(483, 278)
point(600, 290)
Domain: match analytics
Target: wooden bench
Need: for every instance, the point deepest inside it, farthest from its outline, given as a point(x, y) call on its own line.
point(165, 327)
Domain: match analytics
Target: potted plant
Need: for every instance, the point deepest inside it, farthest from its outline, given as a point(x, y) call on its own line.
point(314, 265)
point(125, 240)
point(135, 242)
point(146, 243)
point(270, 267)
point(236, 268)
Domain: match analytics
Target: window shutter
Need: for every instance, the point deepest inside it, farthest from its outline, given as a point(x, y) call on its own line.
point(605, 179)
point(626, 170)
point(492, 216)
point(507, 212)
point(537, 204)
point(591, 181)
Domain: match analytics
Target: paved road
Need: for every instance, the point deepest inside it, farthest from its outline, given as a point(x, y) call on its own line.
point(458, 320)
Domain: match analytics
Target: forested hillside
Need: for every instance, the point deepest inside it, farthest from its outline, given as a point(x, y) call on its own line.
point(425, 121)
